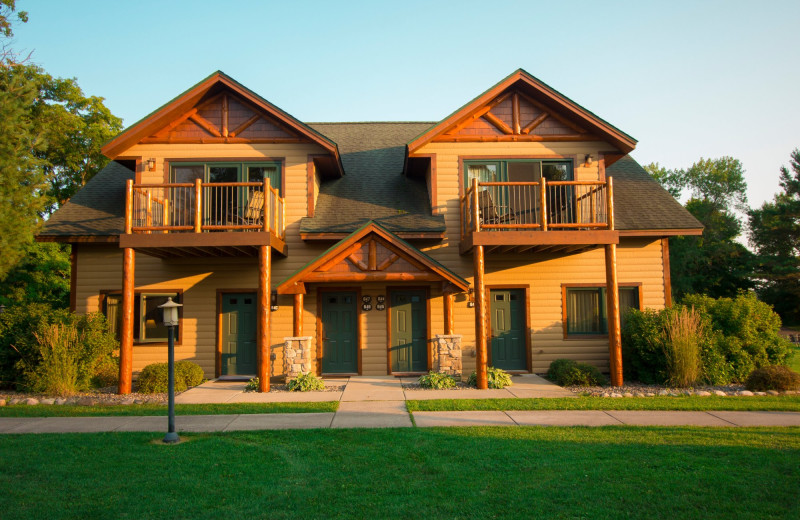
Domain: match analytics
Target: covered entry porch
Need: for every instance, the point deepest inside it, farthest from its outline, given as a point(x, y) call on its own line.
point(369, 286)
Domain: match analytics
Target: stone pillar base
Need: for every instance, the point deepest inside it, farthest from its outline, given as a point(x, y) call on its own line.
point(448, 358)
point(296, 356)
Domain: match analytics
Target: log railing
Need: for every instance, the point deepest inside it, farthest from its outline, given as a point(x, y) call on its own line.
point(204, 207)
point(537, 206)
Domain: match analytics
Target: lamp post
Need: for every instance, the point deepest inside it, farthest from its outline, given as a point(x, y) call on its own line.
point(171, 321)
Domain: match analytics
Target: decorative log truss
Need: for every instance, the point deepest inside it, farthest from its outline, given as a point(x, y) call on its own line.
point(514, 116)
point(372, 254)
point(225, 118)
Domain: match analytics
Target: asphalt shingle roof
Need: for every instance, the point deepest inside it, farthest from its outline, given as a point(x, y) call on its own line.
point(373, 188)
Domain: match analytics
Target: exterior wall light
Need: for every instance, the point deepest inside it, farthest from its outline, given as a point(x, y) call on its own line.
point(151, 164)
point(471, 298)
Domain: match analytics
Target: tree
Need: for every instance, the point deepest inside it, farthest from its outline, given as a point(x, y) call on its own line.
point(714, 263)
point(42, 275)
point(21, 176)
point(775, 235)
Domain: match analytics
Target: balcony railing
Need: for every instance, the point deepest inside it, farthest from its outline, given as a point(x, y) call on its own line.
point(204, 207)
point(537, 206)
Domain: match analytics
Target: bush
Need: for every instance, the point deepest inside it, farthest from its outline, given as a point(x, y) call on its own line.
point(107, 373)
point(154, 378)
point(685, 332)
point(773, 377)
point(307, 382)
point(496, 378)
point(40, 348)
point(566, 372)
point(252, 385)
point(437, 380)
point(741, 334)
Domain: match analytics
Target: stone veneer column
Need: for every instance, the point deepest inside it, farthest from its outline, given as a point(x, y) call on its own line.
point(296, 356)
point(449, 354)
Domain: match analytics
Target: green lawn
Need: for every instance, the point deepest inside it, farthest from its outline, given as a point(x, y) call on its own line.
point(783, 403)
point(597, 473)
point(154, 409)
point(794, 359)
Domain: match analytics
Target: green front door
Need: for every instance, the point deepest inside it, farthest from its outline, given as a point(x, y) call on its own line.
point(409, 332)
point(238, 334)
point(339, 333)
point(508, 329)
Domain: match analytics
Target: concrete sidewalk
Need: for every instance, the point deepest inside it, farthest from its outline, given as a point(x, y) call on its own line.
point(385, 414)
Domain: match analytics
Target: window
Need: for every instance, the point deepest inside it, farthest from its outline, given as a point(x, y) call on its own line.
point(227, 172)
point(585, 309)
point(522, 170)
point(148, 318)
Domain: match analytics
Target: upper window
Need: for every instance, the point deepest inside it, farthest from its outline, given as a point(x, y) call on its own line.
point(227, 172)
point(149, 326)
point(522, 170)
point(585, 309)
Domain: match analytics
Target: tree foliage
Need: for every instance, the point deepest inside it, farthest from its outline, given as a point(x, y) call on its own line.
point(714, 263)
point(41, 276)
point(775, 235)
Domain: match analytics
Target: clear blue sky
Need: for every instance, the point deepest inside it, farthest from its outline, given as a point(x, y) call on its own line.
point(685, 78)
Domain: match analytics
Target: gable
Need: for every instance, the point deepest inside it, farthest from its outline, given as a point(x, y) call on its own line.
point(521, 108)
point(221, 110)
point(372, 254)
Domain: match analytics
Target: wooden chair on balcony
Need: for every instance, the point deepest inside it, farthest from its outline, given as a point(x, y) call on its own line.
point(491, 213)
point(253, 212)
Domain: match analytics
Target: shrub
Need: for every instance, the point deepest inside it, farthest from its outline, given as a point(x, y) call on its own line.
point(496, 378)
point(741, 334)
point(437, 380)
point(305, 382)
point(154, 378)
point(252, 385)
point(684, 331)
point(107, 373)
point(53, 351)
point(566, 372)
point(773, 377)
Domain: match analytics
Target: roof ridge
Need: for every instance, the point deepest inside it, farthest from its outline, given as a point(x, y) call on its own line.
point(369, 122)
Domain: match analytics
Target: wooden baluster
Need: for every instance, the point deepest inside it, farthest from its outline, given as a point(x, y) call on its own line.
point(165, 214)
point(148, 222)
point(475, 207)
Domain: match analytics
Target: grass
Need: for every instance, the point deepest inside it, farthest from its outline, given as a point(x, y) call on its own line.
point(598, 473)
point(782, 403)
point(156, 409)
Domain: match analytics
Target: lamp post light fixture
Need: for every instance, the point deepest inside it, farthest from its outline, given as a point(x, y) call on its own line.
point(171, 321)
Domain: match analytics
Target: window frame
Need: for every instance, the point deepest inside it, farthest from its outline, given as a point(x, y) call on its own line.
point(502, 166)
point(139, 294)
point(601, 287)
point(242, 165)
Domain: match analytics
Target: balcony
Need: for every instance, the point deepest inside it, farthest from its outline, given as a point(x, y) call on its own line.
point(547, 217)
point(204, 219)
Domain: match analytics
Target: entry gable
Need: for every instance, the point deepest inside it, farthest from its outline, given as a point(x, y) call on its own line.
point(372, 254)
point(221, 110)
point(522, 108)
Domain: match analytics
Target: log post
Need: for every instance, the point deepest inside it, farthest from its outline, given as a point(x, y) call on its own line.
point(198, 206)
point(265, 210)
point(480, 318)
point(543, 204)
point(262, 349)
point(449, 324)
point(126, 332)
point(476, 211)
point(129, 206)
point(298, 316)
point(612, 312)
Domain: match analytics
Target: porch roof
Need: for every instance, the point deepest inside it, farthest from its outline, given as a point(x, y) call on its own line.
point(372, 254)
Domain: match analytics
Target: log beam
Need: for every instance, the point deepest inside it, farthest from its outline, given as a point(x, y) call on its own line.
point(262, 349)
point(126, 332)
point(297, 320)
point(480, 318)
point(612, 312)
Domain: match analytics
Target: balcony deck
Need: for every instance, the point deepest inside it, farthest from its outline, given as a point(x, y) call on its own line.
point(184, 220)
point(547, 217)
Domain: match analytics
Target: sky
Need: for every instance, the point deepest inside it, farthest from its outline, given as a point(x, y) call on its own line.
point(687, 79)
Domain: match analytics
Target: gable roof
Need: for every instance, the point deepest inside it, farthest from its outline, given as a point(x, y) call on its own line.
point(163, 115)
point(544, 94)
point(338, 264)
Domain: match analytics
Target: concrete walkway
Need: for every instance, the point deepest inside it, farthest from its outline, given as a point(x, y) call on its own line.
point(380, 402)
